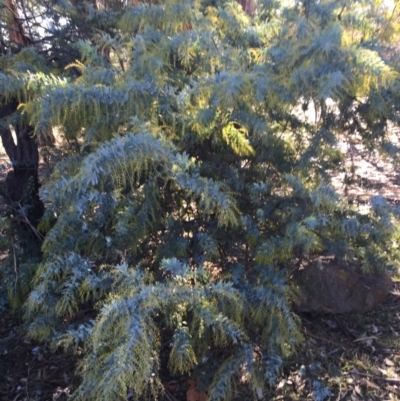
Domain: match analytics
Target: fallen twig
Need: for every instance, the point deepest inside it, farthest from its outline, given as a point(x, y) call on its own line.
point(393, 390)
point(15, 263)
point(384, 379)
point(168, 395)
point(345, 395)
point(344, 329)
point(307, 333)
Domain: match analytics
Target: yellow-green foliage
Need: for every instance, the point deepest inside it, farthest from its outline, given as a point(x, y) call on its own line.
point(194, 181)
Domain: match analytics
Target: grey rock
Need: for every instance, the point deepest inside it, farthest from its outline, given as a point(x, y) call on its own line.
point(327, 287)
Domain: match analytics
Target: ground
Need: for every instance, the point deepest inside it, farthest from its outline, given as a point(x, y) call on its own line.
point(346, 358)
point(343, 358)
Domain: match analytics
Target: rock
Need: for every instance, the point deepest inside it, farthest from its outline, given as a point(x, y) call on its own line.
point(326, 287)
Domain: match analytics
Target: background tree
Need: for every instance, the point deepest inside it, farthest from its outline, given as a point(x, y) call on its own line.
point(36, 36)
point(22, 182)
point(249, 6)
point(196, 184)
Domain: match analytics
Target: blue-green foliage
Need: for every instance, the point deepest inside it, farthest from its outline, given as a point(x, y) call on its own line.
point(197, 184)
point(320, 392)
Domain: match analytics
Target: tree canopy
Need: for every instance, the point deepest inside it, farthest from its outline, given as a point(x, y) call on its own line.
point(194, 176)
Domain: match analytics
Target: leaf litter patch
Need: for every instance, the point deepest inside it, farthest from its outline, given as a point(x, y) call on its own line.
point(346, 357)
point(31, 371)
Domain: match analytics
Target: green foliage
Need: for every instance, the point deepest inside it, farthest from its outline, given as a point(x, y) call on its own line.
point(19, 260)
point(198, 181)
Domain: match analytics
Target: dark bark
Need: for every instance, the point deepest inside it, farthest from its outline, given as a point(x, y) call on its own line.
point(249, 6)
point(22, 182)
point(16, 30)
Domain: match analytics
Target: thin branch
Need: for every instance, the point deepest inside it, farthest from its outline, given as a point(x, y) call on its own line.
point(26, 19)
point(383, 379)
point(327, 340)
point(339, 17)
point(9, 28)
point(25, 220)
point(15, 263)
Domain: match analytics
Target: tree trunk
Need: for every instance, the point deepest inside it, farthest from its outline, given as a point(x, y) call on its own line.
point(249, 6)
point(22, 183)
point(16, 32)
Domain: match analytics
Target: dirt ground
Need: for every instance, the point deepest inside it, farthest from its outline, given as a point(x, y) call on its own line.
point(366, 174)
point(344, 358)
